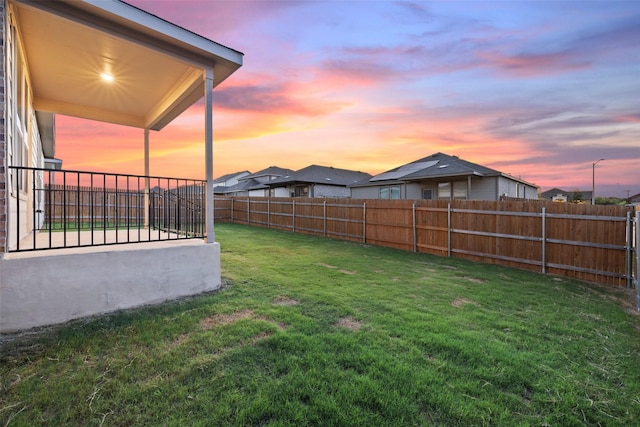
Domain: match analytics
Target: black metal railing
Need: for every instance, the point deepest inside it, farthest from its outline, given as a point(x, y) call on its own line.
point(51, 209)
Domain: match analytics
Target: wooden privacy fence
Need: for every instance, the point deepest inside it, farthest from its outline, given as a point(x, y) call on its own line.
point(174, 209)
point(592, 243)
point(84, 205)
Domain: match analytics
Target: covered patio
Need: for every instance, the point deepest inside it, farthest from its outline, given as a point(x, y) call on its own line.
point(111, 62)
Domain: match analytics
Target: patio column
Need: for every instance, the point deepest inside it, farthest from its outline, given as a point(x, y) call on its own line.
point(146, 179)
point(208, 144)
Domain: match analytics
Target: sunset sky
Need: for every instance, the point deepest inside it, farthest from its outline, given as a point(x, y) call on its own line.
point(539, 89)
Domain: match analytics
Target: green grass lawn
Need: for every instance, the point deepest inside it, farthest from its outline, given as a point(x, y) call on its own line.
point(309, 331)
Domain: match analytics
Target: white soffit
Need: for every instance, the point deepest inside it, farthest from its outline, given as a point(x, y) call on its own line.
point(157, 72)
point(403, 171)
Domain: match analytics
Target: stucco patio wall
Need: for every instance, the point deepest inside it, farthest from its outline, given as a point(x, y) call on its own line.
point(50, 287)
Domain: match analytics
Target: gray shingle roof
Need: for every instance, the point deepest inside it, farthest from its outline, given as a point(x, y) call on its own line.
point(434, 166)
point(315, 174)
point(244, 185)
point(438, 165)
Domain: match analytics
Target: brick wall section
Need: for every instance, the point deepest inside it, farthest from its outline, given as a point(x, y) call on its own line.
point(3, 133)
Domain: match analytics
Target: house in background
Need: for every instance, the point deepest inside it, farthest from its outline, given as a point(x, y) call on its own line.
point(317, 181)
point(558, 195)
point(634, 200)
point(255, 185)
point(224, 182)
point(108, 61)
point(443, 177)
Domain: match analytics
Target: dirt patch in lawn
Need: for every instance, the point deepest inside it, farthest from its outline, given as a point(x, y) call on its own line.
point(349, 323)
point(285, 300)
point(459, 302)
point(347, 272)
point(474, 280)
point(281, 326)
point(627, 298)
point(179, 341)
point(261, 336)
point(225, 319)
point(322, 264)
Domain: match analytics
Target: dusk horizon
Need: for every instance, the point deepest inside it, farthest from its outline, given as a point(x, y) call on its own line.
point(372, 85)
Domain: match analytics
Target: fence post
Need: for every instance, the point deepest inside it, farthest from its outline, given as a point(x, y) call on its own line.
point(268, 213)
point(544, 240)
point(232, 199)
point(324, 217)
point(628, 254)
point(248, 211)
point(415, 237)
point(449, 229)
point(293, 218)
point(637, 240)
point(364, 222)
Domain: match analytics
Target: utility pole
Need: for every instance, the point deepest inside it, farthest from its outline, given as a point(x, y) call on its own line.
point(593, 181)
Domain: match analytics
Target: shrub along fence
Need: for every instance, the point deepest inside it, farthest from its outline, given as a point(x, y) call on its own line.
point(592, 243)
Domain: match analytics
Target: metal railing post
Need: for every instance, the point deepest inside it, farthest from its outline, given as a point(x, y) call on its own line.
point(544, 240)
point(34, 205)
point(64, 207)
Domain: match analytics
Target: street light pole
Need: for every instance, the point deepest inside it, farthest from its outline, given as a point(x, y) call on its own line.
point(593, 181)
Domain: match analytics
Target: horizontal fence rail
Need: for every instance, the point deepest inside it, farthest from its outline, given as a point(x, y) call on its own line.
point(63, 209)
point(593, 243)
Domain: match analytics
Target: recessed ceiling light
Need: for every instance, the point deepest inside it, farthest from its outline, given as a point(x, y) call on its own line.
point(106, 77)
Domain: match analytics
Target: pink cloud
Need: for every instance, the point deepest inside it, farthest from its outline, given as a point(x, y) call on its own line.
point(531, 65)
point(272, 99)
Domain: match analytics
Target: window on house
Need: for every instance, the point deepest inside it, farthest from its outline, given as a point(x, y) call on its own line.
point(20, 87)
point(390, 192)
point(444, 190)
point(460, 190)
point(19, 149)
point(427, 194)
point(302, 191)
point(394, 192)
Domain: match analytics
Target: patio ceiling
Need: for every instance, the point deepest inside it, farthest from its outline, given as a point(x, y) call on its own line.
point(157, 67)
